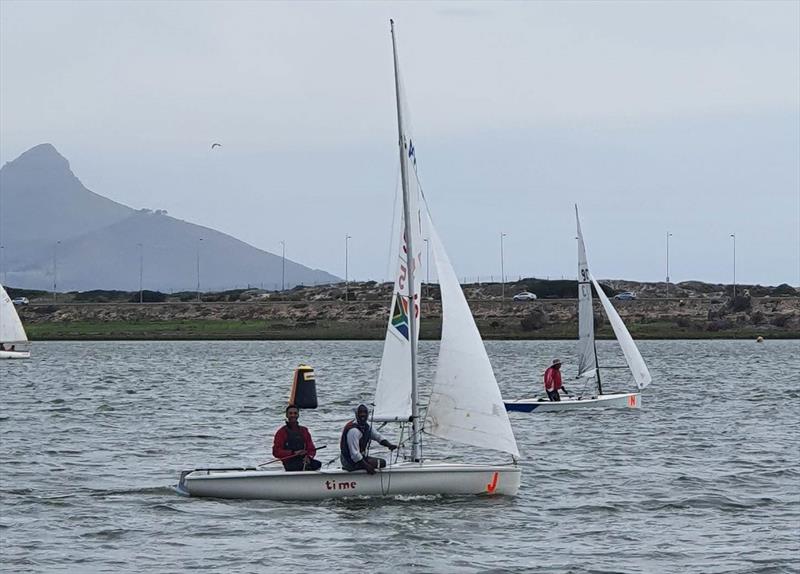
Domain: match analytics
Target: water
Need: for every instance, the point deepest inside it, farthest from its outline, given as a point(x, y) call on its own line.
point(704, 478)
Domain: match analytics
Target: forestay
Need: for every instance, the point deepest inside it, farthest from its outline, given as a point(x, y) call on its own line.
point(587, 358)
point(465, 404)
point(11, 330)
point(635, 362)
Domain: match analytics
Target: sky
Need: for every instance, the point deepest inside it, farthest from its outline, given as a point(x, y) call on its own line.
point(654, 117)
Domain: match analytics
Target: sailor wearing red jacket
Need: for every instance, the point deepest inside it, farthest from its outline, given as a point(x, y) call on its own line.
point(293, 444)
point(552, 381)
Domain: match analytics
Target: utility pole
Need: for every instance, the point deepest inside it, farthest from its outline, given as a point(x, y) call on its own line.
point(283, 266)
point(427, 268)
point(502, 270)
point(141, 269)
point(734, 264)
point(346, 270)
point(199, 243)
point(55, 269)
point(668, 236)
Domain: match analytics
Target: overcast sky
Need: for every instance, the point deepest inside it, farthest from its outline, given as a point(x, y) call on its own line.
point(654, 117)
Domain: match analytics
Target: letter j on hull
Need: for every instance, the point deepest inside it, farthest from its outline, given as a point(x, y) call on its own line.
point(490, 488)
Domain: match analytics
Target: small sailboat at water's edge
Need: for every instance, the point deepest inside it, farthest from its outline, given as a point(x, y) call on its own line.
point(465, 404)
point(12, 333)
point(588, 365)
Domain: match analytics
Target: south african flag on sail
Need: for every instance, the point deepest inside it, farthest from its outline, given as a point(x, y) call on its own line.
point(400, 316)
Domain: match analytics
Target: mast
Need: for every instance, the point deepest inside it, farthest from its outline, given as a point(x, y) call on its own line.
point(416, 450)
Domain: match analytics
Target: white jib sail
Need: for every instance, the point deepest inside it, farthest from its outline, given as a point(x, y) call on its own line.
point(635, 361)
point(11, 330)
point(393, 391)
point(465, 404)
point(587, 361)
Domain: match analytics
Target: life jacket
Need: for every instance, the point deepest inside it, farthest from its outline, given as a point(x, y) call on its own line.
point(552, 378)
point(362, 443)
point(294, 439)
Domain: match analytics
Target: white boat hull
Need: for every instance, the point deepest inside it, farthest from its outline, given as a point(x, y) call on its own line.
point(15, 354)
point(405, 478)
point(618, 400)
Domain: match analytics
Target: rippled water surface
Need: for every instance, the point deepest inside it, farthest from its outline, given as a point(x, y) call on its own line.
point(704, 478)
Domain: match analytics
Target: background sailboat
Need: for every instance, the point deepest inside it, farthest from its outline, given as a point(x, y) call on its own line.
point(12, 333)
point(465, 405)
point(588, 365)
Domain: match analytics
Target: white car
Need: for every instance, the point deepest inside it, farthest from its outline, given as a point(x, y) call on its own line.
point(625, 296)
point(525, 296)
point(20, 301)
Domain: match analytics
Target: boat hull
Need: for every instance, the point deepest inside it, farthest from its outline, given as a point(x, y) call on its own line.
point(400, 479)
point(15, 354)
point(618, 400)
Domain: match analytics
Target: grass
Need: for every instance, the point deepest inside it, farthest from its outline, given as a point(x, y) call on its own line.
point(332, 330)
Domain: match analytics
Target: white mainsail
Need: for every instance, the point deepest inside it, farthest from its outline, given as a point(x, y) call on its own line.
point(587, 358)
point(634, 359)
point(393, 394)
point(465, 404)
point(393, 391)
point(11, 330)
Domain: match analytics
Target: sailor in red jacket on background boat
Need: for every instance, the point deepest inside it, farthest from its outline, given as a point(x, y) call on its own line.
point(552, 381)
point(293, 444)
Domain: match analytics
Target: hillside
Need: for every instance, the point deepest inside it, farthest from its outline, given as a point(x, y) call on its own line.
point(55, 231)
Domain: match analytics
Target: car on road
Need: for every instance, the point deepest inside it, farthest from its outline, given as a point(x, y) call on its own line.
point(20, 301)
point(524, 296)
point(625, 296)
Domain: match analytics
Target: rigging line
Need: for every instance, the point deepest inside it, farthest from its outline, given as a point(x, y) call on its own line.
point(392, 260)
point(371, 421)
point(391, 463)
point(585, 385)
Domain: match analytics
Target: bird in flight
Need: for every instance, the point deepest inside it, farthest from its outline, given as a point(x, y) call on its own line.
point(213, 145)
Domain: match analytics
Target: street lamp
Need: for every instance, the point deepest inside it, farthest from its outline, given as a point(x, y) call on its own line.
point(199, 243)
point(668, 236)
point(502, 270)
point(3, 263)
point(346, 270)
point(427, 267)
point(283, 266)
point(734, 265)
point(141, 269)
point(55, 269)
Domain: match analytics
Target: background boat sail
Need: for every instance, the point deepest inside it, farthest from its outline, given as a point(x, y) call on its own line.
point(588, 365)
point(12, 333)
point(465, 404)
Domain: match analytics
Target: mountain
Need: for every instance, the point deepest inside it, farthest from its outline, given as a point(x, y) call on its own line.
point(51, 224)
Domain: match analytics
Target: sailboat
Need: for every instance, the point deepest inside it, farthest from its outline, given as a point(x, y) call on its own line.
point(12, 333)
point(465, 404)
point(589, 368)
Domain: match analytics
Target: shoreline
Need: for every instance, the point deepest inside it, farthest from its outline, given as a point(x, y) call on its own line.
point(544, 319)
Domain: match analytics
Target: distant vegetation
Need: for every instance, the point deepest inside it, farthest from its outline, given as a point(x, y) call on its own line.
point(381, 292)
